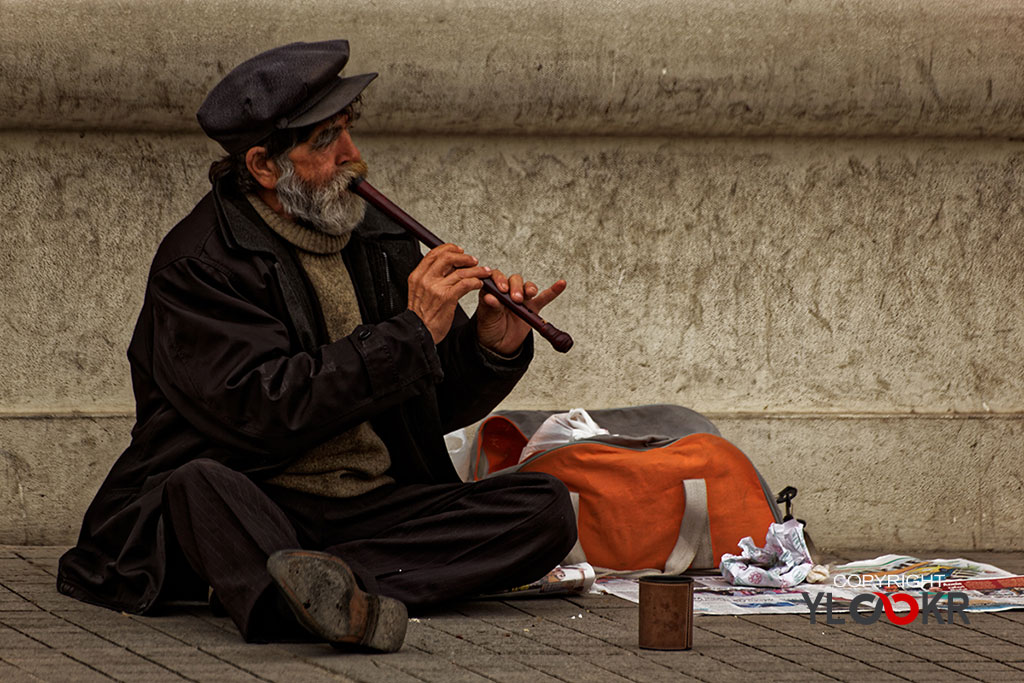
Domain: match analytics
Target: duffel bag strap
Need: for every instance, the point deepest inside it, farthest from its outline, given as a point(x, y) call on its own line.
point(693, 547)
point(576, 555)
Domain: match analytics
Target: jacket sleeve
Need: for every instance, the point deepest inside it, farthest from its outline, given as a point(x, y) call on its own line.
point(228, 363)
point(475, 382)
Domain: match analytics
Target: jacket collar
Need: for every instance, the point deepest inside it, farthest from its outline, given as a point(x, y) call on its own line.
point(242, 228)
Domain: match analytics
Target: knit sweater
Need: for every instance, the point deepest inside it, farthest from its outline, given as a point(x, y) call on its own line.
point(354, 461)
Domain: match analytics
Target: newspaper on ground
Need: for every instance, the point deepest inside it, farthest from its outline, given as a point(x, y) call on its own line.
point(988, 588)
point(565, 579)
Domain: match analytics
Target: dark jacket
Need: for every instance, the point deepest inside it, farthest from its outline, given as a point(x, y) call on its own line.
point(230, 360)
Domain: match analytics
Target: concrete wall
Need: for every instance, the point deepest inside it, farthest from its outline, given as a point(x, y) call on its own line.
point(804, 218)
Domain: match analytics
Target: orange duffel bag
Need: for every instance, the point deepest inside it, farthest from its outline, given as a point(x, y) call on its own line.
point(643, 503)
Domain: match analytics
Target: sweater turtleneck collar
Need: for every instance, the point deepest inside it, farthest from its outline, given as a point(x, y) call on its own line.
point(302, 236)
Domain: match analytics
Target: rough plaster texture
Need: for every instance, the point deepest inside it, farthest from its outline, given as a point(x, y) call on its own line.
point(793, 275)
point(49, 471)
point(700, 67)
point(802, 217)
point(894, 482)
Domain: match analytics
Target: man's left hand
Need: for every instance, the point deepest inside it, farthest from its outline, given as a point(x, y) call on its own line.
point(498, 328)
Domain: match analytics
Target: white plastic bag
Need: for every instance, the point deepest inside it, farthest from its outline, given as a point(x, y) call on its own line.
point(560, 429)
point(784, 561)
point(459, 444)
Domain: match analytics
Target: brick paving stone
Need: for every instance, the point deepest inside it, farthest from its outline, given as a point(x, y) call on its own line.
point(838, 663)
point(289, 671)
point(927, 671)
point(800, 652)
point(637, 668)
point(799, 676)
point(952, 655)
point(437, 642)
point(515, 622)
point(36, 592)
point(775, 639)
point(1012, 631)
point(1009, 616)
point(571, 668)
point(12, 602)
point(599, 601)
point(977, 641)
point(11, 639)
point(567, 627)
point(52, 552)
point(867, 650)
point(193, 631)
point(132, 635)
point(427, 668)
point(920, 646)
point(550, 609)
point(551, 635)
point(765, 664)
point(72, 640)
point(61, 637)
point(201, 666)
point(53, 631)
point(24, 575)
point(733, 625)
point(34, 619)
point(1004, 652)
point(12, 674)
point(306, 672)
point(629, 612)
point(56, 667)
point(123, 665)
point(363, 668)
point(496, 639)
point(988, 671)
point(690, 662)
point(505, 669)
point(604, 632)
point(860, 677)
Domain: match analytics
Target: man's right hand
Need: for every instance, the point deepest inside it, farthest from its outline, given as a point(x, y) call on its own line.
point(445, 275)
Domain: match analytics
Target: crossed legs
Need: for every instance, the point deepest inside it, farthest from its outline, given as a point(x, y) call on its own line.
point(420, 544)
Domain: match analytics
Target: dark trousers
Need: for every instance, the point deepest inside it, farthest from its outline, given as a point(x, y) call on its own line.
point(421, 544)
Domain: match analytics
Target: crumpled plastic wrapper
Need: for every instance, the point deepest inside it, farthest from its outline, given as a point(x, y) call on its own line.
point(784, 561)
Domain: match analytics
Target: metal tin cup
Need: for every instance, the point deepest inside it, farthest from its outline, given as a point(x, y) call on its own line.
point(666, 612)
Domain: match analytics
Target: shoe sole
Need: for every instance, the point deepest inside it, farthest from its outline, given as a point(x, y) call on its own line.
point(322, 592)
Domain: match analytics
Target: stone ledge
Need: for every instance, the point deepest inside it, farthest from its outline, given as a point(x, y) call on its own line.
point(951, 68)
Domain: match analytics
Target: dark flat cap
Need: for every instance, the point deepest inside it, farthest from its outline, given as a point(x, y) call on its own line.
point(290, 86)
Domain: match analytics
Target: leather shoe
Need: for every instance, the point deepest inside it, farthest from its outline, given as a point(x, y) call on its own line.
point(323, 593)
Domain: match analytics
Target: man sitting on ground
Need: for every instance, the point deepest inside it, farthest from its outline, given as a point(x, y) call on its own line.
point(295, 365)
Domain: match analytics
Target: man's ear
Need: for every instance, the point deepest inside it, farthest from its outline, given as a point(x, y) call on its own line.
point(264, 170)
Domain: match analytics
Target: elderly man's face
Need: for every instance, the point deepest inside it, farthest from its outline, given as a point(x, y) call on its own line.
point(313, 179)
point(330, 147)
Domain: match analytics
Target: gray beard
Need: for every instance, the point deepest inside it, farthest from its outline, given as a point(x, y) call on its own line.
point(330, 207)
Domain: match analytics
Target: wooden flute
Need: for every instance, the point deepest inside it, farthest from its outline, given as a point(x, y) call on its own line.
point(561, 341)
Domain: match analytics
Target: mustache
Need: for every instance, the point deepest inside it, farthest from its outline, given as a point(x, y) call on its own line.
point(348, 172)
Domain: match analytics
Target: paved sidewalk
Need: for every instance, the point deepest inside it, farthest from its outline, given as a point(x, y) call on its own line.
point(46, 636)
